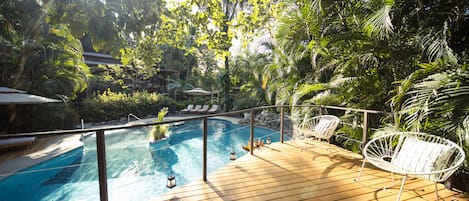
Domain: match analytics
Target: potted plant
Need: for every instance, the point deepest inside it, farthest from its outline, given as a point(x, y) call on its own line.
point(158, 132)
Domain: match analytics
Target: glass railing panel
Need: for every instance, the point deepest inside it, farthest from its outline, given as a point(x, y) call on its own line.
point(138, 166)
point(349, 133)
point(139, 160)
point(266, 122)
point(52, 168)
point(183, 156)
point(226, 137)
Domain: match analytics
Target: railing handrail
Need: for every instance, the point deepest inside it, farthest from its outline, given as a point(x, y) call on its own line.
point(101, 145)
point(126, 126)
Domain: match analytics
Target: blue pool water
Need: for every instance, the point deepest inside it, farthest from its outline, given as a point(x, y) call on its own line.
point(135, 169)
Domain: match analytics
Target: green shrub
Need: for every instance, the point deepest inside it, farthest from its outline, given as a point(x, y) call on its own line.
point(182, 104)
point(111, 105)
point(244, 103)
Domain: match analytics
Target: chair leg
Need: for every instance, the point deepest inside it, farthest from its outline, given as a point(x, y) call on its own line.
point(361, 170)
point(402, 188)
point(436, 191)
point(392, 182)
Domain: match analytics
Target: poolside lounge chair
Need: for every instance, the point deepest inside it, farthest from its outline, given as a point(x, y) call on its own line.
point(16, 142)
point(197, 108)
point(410, 153)
point(204, 109)
point(214, 109)
point(187, 110)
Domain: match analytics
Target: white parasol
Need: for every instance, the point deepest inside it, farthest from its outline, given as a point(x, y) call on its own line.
point(198, 92)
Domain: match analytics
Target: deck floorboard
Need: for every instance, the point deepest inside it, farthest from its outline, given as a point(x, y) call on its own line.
point(321, 172)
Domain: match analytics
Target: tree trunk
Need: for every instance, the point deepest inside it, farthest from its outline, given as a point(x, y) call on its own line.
point(228, 99)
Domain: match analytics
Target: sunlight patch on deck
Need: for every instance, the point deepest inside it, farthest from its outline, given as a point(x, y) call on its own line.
point(321, 172)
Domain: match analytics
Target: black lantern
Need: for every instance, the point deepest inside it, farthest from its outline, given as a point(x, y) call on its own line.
point(268, 141)
point(233, 155)
point(171, 181)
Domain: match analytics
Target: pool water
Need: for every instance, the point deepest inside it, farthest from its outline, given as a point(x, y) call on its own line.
point(135, 169)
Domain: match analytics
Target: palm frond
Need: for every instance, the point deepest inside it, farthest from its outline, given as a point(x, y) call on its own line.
point(339, 80)
point(433, 100)
point(316, 7)
point(436, 47)
point(379, 24)
point(404, 86)
point(306, 89)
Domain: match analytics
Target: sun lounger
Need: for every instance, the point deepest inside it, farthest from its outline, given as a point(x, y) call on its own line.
point(214, 109)
point(188, 109)
point(197, 108)
point(16, 142)
point(204, 109)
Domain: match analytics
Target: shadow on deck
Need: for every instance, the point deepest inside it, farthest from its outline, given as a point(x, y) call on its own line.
point(285, 172)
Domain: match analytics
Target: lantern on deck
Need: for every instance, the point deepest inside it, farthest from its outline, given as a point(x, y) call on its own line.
point(233, 155)
point(171, 181)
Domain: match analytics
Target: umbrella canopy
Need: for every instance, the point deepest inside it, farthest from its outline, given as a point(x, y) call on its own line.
point(197, 92)
point(12, 96)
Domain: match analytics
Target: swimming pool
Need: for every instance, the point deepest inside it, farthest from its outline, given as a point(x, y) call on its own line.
point(135, 169)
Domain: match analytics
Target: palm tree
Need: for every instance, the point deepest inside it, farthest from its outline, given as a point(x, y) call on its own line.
point(42, 58)
point(247, 70)
point(357, 51)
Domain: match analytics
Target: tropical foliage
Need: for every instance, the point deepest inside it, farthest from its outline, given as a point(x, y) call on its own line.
point(39, 57)
point(213, 25)
point(409, 58)
point(111, 105)
point(248, 77)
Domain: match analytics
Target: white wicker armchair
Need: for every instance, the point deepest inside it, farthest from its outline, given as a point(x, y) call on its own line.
point(409, 153)
point(319, 127)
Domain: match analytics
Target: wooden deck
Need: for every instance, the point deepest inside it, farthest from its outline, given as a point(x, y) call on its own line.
point(285, 172)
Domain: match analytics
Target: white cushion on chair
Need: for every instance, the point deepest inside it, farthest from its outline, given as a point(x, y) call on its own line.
point(419, 156)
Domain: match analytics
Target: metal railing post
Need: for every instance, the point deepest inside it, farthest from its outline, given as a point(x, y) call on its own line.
point(282, 115)
point(101, 149)
point(205, 151)
point(252, 133)
point(365, 129)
